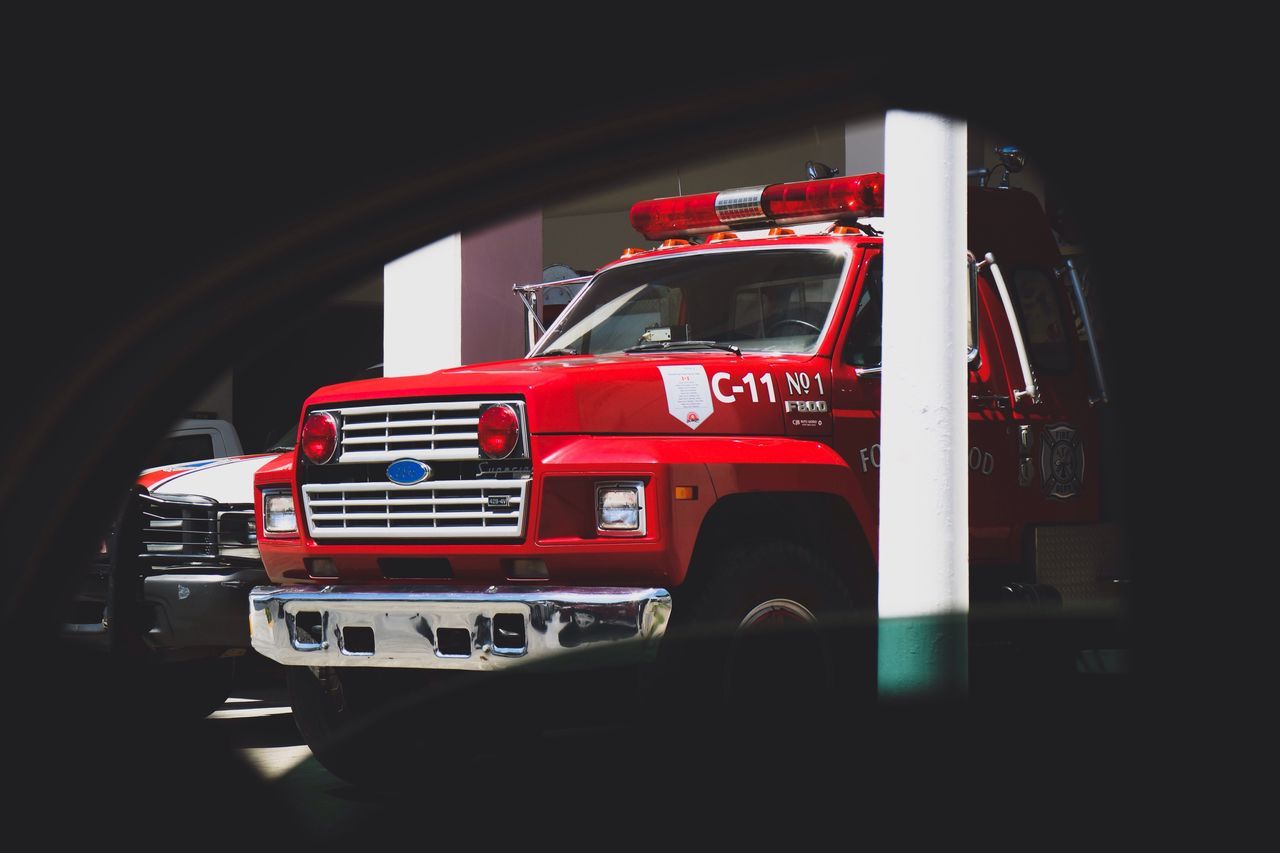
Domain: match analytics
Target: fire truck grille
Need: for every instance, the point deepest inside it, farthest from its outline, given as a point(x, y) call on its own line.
point(427, 430)
point(455, 509)
point(463, 495)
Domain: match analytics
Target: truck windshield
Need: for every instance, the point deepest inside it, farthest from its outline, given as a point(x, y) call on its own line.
point(768, 300)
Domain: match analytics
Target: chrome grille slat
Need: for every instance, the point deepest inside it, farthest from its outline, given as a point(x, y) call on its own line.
point(438, 406)
point(450, 422)
point(406, 439)
point(425, 486)
point(445, 508)
point(402, 502)
point(384, 516)
point(429, 431)
point(441, 455)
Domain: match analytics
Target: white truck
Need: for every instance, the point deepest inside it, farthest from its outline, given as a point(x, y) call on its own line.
point(184, 553)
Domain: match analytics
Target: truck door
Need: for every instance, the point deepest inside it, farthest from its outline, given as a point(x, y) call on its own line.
point(1060, 482)
point(992, 454)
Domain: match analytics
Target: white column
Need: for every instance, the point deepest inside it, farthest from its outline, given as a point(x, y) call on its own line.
point(422, 309)
point(924, 501)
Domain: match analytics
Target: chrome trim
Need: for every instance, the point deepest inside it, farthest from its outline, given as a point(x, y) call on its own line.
point(529, 295)
point(1030, 389)
point(559, 622)
point(1083, 308)
point(786, 605)
point(333, 502)
point(337, 435)
point(521, 446)
point(638, 485)
point(266, 528)
point(843, 249)
point(543, 285)
point(428, 445)
point(740, 205)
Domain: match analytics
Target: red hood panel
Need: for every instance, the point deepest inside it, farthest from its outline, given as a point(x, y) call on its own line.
point(614, 394)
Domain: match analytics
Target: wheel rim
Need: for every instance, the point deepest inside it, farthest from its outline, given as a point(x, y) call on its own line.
point(777, 612)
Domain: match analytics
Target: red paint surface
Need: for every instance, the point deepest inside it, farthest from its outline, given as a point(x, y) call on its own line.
point(606, 417)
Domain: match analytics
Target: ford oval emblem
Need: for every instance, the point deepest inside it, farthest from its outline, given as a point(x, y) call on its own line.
point(406, 472)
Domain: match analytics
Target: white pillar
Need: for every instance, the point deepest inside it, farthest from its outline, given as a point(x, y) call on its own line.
point(924, 501)
point(451, 303)
point(422, 309)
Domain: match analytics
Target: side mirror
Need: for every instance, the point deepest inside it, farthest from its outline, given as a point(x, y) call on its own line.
point(1012, 158)
point(816, 170)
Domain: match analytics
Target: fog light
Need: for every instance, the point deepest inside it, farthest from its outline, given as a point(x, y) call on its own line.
point(321, 567)
point(277, 512)
point(527, 569)
point(620, 508)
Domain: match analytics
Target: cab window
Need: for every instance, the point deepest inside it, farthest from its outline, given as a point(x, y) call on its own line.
point(181, 448)
point(1040, 315)
point(863, 346)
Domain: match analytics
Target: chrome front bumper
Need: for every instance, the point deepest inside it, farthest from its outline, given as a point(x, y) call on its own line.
point(470, 628)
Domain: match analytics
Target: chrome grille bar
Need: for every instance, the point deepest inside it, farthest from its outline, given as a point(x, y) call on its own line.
point(455, 509)
point(429, 431)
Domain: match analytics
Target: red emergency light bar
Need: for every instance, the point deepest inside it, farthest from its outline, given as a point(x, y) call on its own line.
point(778, 204)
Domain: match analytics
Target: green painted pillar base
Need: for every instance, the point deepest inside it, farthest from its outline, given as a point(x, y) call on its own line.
point(923, 657)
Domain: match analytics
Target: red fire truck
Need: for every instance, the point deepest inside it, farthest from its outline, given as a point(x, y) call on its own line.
point(695, 439)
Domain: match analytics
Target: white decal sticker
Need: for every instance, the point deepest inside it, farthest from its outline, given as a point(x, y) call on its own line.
point(799, 383)
point(748, 383)
point(688, 393)
point(719, 391)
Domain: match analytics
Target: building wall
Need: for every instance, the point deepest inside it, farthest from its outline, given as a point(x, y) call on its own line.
point(589, 231)
point(493, 259)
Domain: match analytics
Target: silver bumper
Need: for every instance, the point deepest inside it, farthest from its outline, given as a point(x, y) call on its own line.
point(471, 628)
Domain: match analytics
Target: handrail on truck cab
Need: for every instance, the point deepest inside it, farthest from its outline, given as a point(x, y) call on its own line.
point(528, 294)
point(1030, 389)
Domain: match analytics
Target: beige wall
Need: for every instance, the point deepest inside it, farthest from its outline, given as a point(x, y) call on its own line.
point(216, 399)
point(591, 230)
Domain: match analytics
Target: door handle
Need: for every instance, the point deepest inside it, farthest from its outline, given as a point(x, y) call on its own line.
point(1026, 464)
point(994, 401)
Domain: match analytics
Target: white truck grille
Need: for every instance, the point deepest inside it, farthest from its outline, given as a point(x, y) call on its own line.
point(461, 509)
point(370, 507)
point(427, 431)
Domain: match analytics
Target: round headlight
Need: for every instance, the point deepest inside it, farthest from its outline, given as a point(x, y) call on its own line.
point(499, 431)
point(320, 437)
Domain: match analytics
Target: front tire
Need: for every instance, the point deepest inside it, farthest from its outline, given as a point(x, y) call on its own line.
point(350, 718)
point(763, 625)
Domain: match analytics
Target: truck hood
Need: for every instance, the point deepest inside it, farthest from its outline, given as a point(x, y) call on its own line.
point(228, 480)
point(703, 392)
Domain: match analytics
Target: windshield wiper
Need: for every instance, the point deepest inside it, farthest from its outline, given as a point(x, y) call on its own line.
point(658, 346)
point(561, 351)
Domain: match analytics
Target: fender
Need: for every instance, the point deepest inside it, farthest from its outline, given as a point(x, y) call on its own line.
point(720, 465)
point(783, 464)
